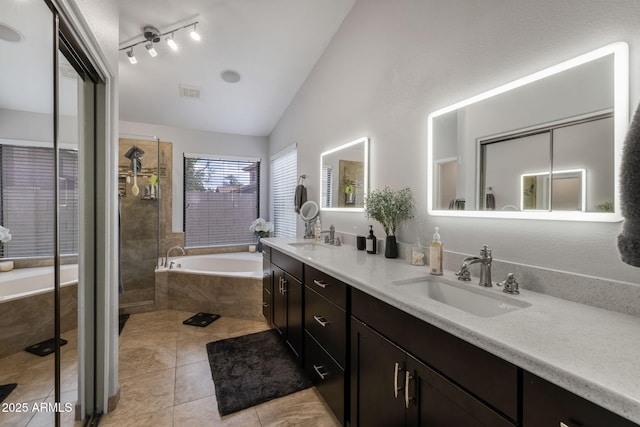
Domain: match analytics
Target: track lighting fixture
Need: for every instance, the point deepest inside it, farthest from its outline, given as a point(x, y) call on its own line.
point(153, 36)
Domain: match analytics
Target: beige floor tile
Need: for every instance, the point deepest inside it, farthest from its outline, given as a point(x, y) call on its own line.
point(193, 382)
point(160, 418)
point(145, 394)
point(45, 418)
point(194, 349)
point(204, 412)
point(138, 360)
point(302, 408)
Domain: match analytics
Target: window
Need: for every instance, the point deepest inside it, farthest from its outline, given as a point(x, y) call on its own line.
point(221, 199)
point(27, 199)
point(284, 172)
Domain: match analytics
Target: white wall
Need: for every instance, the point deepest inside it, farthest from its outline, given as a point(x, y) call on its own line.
point(393, 62)
point(202, 142)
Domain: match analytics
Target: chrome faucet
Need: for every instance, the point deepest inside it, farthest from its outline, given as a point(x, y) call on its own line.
point(485, 260)
point(166, 258)
point(331, 238)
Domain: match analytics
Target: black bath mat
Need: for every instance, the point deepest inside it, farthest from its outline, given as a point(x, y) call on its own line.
point(253, 369)
point(201, 319)
point(5, 390)
point(45, 347)
point(122, 319)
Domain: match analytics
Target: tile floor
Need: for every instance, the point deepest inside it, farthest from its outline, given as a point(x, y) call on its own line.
point(165, 380)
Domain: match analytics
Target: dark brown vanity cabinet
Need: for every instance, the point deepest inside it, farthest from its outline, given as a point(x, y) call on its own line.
point(439, 379)
point(545, 404)
point(390, 387)
point(267, 286)
point(287, 299)
point(326, 337)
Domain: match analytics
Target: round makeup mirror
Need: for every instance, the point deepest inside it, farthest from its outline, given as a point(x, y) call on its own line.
point(309, 211)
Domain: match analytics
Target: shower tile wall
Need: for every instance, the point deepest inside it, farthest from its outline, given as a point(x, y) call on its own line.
point(140, 228)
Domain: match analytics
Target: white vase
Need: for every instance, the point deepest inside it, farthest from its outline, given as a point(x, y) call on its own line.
point(6, 265)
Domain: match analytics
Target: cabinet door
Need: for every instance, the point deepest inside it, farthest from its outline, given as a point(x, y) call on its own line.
point(432, 400)
point(546, 404)
point(295, 326)
point(279, 301)
point(377, 379)
point(267, 289)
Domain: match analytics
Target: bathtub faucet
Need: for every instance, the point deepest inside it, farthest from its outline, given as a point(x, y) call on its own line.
point(166, 258)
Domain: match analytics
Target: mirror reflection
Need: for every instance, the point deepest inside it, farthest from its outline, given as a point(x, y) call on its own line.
point(344, 175)
point(494, 154)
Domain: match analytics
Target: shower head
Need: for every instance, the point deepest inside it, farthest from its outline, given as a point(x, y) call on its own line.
point(134, 153)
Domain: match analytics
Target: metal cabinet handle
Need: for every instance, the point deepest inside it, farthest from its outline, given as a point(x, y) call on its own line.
point(320, 283)
point(407, 399)
point(284, 286)
point(322, 321)
point(395, 380)
point(317, 369)
point(265, 304)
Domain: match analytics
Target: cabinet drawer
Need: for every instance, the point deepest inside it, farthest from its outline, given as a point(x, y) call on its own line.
point(546, 404)
point(288, 264)
point(487, 376)
point(327, 323)
point(332, 289)
point(327, 376)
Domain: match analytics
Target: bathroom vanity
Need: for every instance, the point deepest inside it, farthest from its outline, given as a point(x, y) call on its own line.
point(381, 352)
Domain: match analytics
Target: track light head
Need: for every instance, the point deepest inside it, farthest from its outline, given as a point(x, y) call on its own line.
point(194, 34)
point(151, 50)
point(131, 56)
point(172, 44)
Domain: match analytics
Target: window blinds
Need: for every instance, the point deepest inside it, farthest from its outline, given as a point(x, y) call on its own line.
point(27, 199)
point(221, 200)
point(284, 174)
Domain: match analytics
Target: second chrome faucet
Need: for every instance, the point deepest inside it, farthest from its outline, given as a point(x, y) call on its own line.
point(484, 260)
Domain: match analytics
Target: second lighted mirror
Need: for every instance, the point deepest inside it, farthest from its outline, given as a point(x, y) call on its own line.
point(344, 176)
point(546, 146)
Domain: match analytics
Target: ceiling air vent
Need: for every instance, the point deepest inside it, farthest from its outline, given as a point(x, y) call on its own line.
point(190, 92)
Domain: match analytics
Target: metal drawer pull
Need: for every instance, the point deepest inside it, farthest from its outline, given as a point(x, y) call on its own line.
point(265, 304)
point(284, 286)
point(407, 399)
point(395, 380)
point(320, 283)
point(317, 369)
point(323, 322)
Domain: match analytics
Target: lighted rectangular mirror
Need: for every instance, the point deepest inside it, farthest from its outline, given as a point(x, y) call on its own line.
point(344, 176)
point(567, 121)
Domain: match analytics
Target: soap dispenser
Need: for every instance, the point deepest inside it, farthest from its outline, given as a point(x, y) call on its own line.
point(435, 254)
point(318, 231)
point(371, 242)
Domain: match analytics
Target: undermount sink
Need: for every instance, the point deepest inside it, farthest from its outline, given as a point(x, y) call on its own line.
point(462, 297)
point(309, 245)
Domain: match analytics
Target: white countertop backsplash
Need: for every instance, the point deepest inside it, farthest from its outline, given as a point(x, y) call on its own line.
point(590, 351)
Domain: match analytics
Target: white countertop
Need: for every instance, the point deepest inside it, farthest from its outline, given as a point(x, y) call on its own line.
point(589, 351)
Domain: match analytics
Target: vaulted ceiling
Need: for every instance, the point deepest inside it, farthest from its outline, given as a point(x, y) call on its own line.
point(272, 44)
